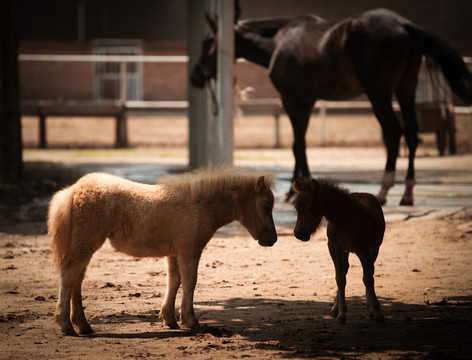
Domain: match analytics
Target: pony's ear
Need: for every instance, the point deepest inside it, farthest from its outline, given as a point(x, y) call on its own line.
point(212, 22)
point(259, 183)
point(314, 185)
point(300, 185)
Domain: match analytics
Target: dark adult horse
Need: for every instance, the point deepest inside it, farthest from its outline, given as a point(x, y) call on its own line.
point(377, 52)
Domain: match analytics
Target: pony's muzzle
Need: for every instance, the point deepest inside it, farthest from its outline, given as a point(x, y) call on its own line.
point(302, 234)
point(268, 239)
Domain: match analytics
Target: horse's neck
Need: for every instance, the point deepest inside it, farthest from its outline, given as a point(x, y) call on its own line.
point(337, 205)
point(222, 211)
point(253, 46)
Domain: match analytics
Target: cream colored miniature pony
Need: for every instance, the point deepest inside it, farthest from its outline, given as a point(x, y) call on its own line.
point(175, 219)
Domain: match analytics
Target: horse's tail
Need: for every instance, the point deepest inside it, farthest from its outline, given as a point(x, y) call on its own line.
point(59, 224)
point(446, 58)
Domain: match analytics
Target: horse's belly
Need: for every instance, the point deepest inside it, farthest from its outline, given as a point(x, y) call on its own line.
point(142, 246)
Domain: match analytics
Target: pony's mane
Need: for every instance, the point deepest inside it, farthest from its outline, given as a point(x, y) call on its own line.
point(333, 185)
point(204, 183)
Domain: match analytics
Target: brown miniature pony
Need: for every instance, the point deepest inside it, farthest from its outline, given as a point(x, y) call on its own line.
point(175, 219)
point(355, 224)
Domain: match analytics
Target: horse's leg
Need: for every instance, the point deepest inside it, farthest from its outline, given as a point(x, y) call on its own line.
point(167, 313)
point(341, 265)
point(62, 315)
point(72, 275)
point(372, 303)
point(335, 308)
point(299, 114)
point(188, 265)
point(391, 131)
point(407, 105)
point(78, 315)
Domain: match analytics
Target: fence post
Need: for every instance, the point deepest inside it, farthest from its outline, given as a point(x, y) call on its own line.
point(42, 131)
point(121, 117)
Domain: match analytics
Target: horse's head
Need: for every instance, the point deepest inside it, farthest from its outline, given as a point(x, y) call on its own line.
point(309, 208)
point(205, 68)
point(256, 213)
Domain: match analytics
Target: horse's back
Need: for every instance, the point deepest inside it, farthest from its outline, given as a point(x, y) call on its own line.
point(372, 205)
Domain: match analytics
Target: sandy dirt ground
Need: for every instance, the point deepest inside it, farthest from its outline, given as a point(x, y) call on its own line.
point(252, 302)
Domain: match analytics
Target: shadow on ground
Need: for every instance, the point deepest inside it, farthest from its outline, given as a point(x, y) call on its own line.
point(305, 329)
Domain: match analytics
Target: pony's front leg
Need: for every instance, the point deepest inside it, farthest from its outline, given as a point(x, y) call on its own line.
point(167, 313)
point(188, 271)
point(341, 265)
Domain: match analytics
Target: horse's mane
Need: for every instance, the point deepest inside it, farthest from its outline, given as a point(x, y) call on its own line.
point(266, 27)
point(204, 183)
point(330, 184)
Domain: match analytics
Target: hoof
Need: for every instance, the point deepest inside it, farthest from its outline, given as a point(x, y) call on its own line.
point(290, 197)
point(406, 202)
point(69, 332)
point(197, 329)
point(380, 318)
point(86, 331)
point(172, 325)
point(341, 320)
point(169, 321)
point(382, 201)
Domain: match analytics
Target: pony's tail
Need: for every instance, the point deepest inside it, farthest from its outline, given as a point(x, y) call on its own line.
point(446, 58)
point(59, 224)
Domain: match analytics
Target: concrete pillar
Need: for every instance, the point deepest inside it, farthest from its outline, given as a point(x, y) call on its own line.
point(198, 111)
point(222, 125)
point(210, 134)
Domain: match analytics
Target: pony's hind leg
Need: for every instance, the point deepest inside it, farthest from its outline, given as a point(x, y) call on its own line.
point(167, 313)
point(71, 281)
point(78, 315)
point(372, 303)
point(72, 273)
point(62, 315)
point(341, 265)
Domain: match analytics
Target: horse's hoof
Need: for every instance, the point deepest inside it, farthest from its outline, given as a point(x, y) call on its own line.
point(86, 331)
point(380, 318)
point(404, 202)
point(290, 197)
point(172, 325)
point(69, 332)
point(197, 329)
point(382, 201)
point(341, 320)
